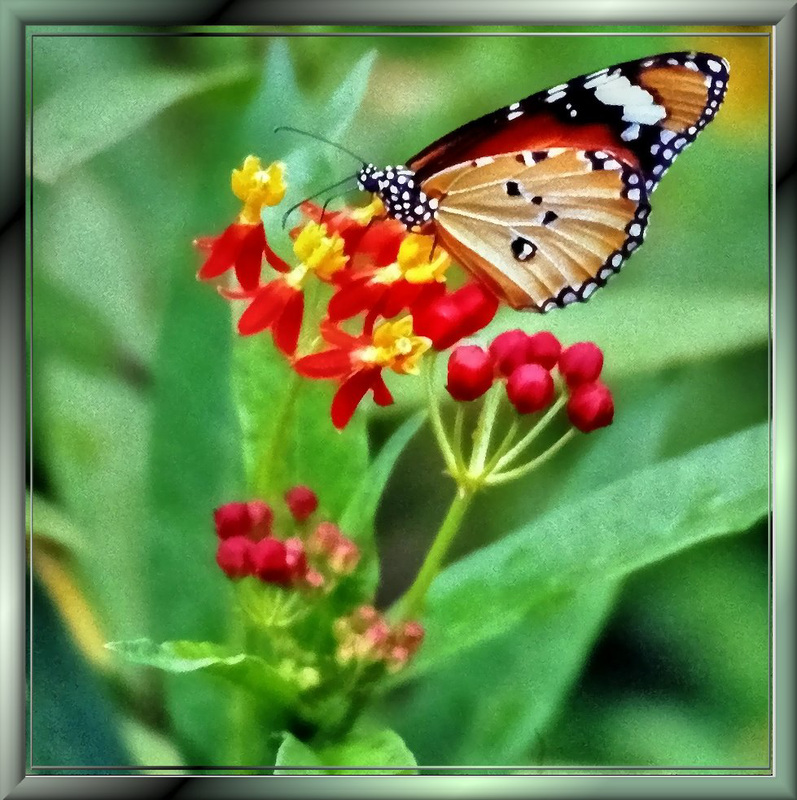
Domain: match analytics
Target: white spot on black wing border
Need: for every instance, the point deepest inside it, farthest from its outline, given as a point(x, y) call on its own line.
point(635, 235)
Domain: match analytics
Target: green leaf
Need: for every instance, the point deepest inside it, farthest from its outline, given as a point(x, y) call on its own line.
point(357, 520)
point(52, 523)
point(294, 753)
point(366, 746)
point(246, 671)
point(508, 710)
point(714, 490)
point(72, 126)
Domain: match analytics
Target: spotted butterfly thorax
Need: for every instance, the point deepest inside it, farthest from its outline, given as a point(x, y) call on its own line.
point(545, 199)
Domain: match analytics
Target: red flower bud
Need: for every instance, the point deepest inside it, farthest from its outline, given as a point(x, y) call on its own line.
point(470, 372)
point(451, 317)
point(581, 363)
point(234, 556)
point(302, 502)
point(509, 350)
point(590, 406)
point(530, 388)
point(270, 561)
point(544, 349)
point(243, 519)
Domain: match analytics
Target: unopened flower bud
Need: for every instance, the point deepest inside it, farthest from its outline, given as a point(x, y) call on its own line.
point(302, 502)
point(510, 350)
point(581, 363)
point(530, 388)
point(270, 561)
point(470, 372)
point(544, 349)
point(590, 406)
point(234, 556)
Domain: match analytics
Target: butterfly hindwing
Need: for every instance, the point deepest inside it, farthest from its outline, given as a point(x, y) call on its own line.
point(545, 228)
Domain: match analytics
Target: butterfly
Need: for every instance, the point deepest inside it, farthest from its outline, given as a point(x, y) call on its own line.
point(545, 199)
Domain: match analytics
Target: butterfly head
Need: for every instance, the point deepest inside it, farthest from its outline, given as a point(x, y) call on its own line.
point(399, 190)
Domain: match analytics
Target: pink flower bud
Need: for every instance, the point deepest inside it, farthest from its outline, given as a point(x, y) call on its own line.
point(530, 388)
point(470, 372)
point(590, 406)
point(251, 519)
point(581, 363)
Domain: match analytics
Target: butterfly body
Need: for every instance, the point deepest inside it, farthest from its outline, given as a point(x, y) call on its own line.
point(546, 198)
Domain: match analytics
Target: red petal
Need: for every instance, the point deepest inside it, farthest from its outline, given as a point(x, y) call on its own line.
point(335, 336)
point(265, 308)
point(273, 259)
point(348, 396)
point(399, 296)
point(334, 363)
point(249, 262)
point(382, 394)
point(235, 294)
point(224, 252)
point(353, 298)
point(204, 243)
point(289, 324)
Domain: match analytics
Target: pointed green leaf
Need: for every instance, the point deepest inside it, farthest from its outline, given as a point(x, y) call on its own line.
point(293, 753)
point(247, 671)
point(714, 490)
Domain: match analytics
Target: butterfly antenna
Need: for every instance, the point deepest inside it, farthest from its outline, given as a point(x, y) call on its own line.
point(317, 194)
point(320, 138)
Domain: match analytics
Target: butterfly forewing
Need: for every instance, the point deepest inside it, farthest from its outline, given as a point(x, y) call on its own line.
point(545, 228)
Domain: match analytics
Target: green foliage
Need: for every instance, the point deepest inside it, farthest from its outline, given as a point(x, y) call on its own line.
point(367, 746)
point(712, 491)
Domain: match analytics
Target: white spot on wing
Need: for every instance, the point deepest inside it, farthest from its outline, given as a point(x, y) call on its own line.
point(713, 65)
point(514, 115)
point(554, 97)
point(631, 132)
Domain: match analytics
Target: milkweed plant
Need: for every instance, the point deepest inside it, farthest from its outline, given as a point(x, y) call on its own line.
point(361, 304)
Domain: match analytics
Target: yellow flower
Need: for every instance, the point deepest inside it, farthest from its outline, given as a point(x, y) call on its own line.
point(318, 252)
point(365, 214)
point(414, 262)
point(395, 346)
point(256, 187)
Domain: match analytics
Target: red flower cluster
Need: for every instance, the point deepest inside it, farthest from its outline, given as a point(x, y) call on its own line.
point(248, 545)
point(374, 269)
point(525, 363)
point(366, 636)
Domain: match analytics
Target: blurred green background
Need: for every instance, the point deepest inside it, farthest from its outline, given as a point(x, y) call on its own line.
point(135, 437)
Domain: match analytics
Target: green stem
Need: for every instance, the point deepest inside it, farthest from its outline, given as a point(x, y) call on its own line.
point(437, 421)
point(457, 442)
point(512, 474)
point(262, 481)
point(411, 604)
point(484, 429)
point(509, 457)
point(503, 447)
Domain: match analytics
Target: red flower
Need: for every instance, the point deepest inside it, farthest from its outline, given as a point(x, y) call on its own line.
point(470, 372)
point(369, 240)
point(451, 317)
point(530, 388)
point(415, 277)
point(590, 406)
point(581, 363)
point(358, 361)
point(241, 246)
point(270, 561)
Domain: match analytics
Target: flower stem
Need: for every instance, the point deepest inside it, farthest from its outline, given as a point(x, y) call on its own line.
point(519, 472)
point(411, 604)
point(437, 421)
point(484, 430)
point(509, 457)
